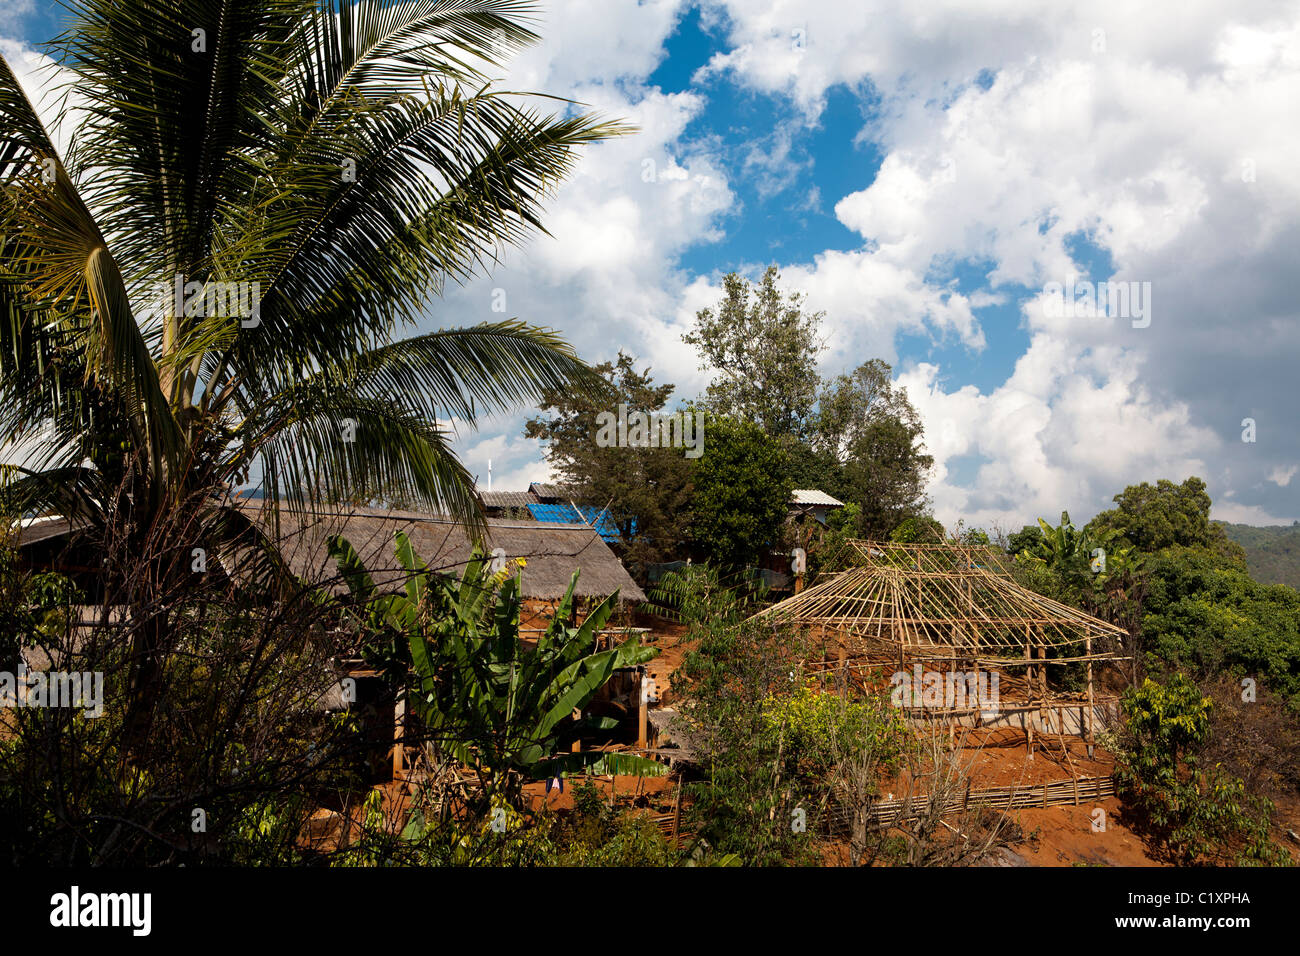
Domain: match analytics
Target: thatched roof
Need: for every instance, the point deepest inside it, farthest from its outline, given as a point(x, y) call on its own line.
point(552, 552)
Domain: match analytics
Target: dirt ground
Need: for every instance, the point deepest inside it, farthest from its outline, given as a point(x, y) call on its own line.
point(1052, 836)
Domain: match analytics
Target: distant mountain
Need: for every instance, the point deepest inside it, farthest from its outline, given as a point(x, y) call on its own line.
point(1272, 553)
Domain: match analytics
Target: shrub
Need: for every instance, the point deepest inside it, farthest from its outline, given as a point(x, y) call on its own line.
point(1197, 815)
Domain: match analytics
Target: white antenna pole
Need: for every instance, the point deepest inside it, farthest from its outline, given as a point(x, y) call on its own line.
point(489, 474)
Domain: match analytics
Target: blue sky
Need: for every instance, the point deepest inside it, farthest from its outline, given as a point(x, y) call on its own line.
point(923, 175)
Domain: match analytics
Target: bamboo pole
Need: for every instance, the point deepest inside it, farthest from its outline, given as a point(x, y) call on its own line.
point(1029, 720)
point(1092, 713)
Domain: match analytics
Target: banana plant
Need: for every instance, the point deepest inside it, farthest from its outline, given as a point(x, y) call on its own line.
point(486, 698)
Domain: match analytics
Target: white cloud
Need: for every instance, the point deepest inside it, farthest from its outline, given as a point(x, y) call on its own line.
point(1282, 476)
point(1065, 431)
point(1165, 138)
point(1161, 138)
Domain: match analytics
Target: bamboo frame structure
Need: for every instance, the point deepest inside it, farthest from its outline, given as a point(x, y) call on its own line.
point(950, 607)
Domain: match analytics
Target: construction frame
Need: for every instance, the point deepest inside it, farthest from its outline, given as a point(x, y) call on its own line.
point(952, 611)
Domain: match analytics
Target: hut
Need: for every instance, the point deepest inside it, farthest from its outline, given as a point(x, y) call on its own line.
point(946, 617)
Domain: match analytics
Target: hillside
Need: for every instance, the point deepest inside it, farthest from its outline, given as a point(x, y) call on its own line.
point(1272, 553)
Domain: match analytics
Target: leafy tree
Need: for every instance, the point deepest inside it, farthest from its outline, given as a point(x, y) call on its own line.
point(328, 166)
point(1028, 538)
point(646, 490)
point(922, 529)
point(764, 348)
point(1152, 517)
point(744, 805)
point(867, 447)
point(1204, 612)
point(742, 492)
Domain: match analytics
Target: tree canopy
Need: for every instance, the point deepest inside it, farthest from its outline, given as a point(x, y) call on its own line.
point(645, 489)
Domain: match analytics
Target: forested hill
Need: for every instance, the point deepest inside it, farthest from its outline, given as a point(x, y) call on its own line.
point(1272, 553)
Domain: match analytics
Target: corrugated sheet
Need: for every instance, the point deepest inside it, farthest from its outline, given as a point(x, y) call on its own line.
point(811, 496)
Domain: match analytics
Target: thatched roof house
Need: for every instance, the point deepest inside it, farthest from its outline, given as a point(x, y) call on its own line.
point(552, 552)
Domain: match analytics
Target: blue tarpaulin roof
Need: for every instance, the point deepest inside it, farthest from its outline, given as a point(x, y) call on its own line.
point(567, 514)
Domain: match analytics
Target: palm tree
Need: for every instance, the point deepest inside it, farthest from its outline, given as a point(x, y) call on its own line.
point(300, 179)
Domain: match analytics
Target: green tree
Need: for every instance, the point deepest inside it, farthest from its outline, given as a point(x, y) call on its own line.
point(1151, 517)
point(1206, 614)
point(645, 490)
point(1028, 538)
point(868, 448)
point(763, 348)
point(307, 174)
point(742, 492)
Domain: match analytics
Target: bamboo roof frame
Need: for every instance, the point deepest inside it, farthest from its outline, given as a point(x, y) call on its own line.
point(948, 603)
point(941, 598)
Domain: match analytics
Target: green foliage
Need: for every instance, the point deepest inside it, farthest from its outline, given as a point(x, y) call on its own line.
point(745, 805)
point(1204, 612)
point(1272, 553)
point(922, 529)
point(817, 728)
point(597, 834)
point(857, 437)
point(1195, 814)
point(486, 698)
point(1153, 517)
point(769, 741)
point(742, 492)
point(868, 447)
point(645, 491)
point(1029, 538)
point(763, 348)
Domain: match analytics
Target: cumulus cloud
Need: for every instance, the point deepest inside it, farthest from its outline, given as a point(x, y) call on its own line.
point(1012, 133)
point(1024, 140)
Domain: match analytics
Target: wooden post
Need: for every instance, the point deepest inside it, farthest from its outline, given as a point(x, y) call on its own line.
point(399, 720)
point(1029, 690)
point(643, 715)
point(1091, 705)
point(1042, 680)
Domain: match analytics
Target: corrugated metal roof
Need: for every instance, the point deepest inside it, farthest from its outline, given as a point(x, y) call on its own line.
point(811, 496)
